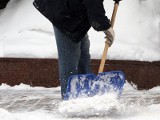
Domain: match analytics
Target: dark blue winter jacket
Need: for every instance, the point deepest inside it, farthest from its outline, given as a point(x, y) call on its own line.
point(74, 17)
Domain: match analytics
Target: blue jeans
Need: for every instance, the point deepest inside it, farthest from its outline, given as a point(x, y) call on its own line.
point(74, 58)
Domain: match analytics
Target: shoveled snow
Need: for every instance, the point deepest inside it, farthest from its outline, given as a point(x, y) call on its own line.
point(26, 33)
point(28, 103)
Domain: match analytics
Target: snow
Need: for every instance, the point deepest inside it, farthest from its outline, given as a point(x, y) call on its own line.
point(25, 33)
point(24, 102)
point(23, 87)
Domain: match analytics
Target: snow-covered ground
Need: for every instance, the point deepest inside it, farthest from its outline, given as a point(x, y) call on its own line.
point(24, 32)
point(27, 103)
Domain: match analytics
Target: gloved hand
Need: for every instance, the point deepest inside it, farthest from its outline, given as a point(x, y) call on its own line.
point(117, 1)
point(110, 35)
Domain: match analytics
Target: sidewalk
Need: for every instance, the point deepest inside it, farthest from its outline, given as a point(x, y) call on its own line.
point(28, 103)
point(29, 100)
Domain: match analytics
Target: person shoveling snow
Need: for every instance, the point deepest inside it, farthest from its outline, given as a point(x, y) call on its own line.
point(71, 21)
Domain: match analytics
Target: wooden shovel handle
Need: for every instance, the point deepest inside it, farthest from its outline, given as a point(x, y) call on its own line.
point(102, 64)
point(114, 14)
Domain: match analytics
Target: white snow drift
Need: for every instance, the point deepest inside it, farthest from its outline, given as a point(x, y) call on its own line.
point(26, 33)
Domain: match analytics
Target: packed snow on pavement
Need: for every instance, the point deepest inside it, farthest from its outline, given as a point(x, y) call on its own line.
point(25, 33)
point(37, 103)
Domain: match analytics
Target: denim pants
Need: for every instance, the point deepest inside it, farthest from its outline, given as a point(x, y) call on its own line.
point(73, 58)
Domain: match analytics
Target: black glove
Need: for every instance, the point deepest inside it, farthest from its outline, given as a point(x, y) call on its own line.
point(117, 1)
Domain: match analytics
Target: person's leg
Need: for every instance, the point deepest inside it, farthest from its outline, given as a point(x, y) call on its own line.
point(69, 55)
point(84, 62)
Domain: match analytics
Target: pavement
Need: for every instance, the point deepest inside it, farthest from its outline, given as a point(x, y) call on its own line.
point(49, 99)
point(29, 100)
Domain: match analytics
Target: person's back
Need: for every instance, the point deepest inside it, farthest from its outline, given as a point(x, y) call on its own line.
point(74, 17)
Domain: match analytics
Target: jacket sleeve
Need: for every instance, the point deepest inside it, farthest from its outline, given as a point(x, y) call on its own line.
point(96, 15)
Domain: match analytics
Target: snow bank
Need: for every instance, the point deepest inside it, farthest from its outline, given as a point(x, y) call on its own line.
point(155, 89)
point(26, 33)
point(25, 87)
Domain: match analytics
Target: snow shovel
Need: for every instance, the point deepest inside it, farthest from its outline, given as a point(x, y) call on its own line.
point(88, 85)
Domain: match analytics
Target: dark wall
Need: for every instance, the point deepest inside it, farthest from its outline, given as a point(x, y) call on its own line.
point(3, 3)
point(44, 72)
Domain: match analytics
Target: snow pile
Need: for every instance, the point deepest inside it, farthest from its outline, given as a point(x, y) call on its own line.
point(155, 89)
point(93, 106)
point(102, 105)
point(26, 33)
point(24, 87)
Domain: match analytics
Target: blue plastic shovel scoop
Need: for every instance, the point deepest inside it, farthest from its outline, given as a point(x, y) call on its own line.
point(88, 85)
